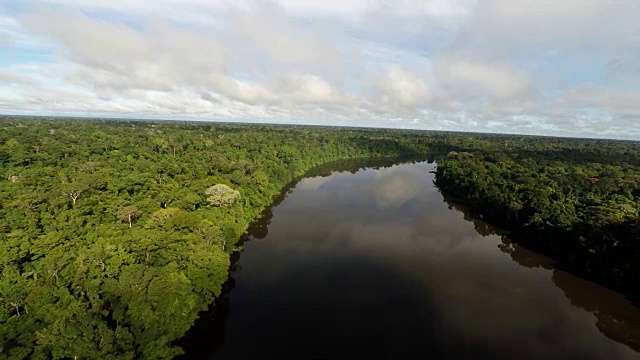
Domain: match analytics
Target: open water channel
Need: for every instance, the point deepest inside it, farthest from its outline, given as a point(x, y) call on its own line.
point(376, 264)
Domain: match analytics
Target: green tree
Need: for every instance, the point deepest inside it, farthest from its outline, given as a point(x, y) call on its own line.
point(221, 195)
point(128, 214)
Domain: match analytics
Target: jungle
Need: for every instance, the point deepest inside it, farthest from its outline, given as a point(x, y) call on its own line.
point(116, 234)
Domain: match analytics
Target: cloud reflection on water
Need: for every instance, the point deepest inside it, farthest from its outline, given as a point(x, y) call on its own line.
point(377, 237)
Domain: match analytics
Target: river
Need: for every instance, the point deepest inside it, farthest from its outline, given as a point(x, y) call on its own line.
point(376, 264)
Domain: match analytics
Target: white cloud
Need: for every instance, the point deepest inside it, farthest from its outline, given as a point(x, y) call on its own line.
point(306, 89)
point(431, 8)
point(556, 22)
point(113, 58)
point(471, 75)
point(11, 78)
point(401, 88)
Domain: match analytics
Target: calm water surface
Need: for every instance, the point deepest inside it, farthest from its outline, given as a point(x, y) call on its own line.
point(376, 264)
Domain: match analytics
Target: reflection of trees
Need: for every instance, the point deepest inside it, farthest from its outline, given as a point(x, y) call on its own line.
point(524, 256)
point(259, 230)
point(482, 227)
point(617, 318)
point(519, 254)
point(208, 332)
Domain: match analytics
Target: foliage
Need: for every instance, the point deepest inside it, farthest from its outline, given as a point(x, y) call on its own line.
point(79, 279)
point(222, 195)
point(128, 214)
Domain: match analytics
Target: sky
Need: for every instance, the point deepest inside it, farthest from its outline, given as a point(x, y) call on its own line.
point(541, 67)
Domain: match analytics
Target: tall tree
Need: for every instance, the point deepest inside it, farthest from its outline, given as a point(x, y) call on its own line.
point(128, 213)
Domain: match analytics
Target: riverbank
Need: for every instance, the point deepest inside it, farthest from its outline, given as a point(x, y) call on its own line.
point(588, 229)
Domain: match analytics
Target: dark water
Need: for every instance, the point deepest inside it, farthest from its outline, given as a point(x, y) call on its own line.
point(377, 264)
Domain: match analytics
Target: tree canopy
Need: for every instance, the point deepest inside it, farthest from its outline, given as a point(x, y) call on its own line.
point(222, 195)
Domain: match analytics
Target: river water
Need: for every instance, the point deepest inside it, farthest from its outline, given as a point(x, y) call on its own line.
point(376, 264)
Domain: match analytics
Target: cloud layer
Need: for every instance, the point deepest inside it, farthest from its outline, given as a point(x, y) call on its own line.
point(515, 66)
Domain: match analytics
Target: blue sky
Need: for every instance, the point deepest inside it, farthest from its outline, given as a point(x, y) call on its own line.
point(542, 67)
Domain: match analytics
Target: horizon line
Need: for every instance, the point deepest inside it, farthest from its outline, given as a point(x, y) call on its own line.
point(292, 123)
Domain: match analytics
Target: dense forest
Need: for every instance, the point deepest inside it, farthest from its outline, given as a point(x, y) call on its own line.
point(576, 207)
point(114, 235)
